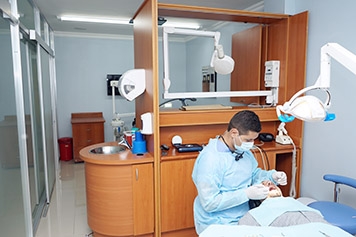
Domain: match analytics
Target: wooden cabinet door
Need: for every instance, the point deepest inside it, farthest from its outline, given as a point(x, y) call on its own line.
point(247, 53)
point(109, 199)
point(143, 198)
point(177, 194)
point(86, 134)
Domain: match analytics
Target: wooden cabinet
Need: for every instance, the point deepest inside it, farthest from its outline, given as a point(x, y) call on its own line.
point(87, 129)
point(119, 192)
point(280, 37)
point(178, 193)
point(177, 189)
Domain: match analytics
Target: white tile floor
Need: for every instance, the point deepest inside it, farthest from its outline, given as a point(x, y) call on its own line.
point(66, 215)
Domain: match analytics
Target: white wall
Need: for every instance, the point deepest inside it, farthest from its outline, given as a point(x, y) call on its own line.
point(82, 64)
point(327, 146)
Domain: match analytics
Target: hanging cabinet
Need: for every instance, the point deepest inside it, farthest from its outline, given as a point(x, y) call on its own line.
point(281, 37)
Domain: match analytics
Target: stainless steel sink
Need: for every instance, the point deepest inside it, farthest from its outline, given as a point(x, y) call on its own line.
point(107, 150)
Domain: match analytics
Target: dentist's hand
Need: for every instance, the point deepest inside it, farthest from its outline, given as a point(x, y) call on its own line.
point(257, 192)
point(280, 177)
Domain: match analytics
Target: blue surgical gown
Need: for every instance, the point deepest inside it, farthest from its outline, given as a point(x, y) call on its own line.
point(221, 182)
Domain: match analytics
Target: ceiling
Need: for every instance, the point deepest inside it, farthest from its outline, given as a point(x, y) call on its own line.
point(121, 9)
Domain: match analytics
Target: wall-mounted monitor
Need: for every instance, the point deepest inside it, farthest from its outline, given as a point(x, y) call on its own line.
point(109, 78)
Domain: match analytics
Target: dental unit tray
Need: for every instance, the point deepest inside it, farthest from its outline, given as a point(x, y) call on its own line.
point(187, 147)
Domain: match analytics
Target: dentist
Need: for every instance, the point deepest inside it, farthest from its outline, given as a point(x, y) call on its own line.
point(226, 174)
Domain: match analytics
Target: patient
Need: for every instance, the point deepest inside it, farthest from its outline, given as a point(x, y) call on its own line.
point(274, 190)
point(280, 211)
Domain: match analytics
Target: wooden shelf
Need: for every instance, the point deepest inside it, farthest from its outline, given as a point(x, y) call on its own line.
point(208, 13)
point(173, 154)
point(176, 117)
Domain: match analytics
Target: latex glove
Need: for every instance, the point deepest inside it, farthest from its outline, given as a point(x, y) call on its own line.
point(257, 192)
point(280, 177)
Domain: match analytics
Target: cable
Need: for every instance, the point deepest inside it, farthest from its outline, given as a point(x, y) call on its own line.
point(264, 156)
point(292, 190)
point(182, 100)
point(284, 138)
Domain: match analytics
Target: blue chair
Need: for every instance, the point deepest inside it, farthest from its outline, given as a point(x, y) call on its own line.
point(334, 212)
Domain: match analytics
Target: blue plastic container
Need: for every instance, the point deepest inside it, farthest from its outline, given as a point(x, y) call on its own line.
point(139, 145)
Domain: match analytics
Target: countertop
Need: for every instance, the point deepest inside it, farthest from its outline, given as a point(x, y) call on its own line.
point(124, 158)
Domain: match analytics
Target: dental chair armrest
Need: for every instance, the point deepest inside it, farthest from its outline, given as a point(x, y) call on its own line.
point(339, 179)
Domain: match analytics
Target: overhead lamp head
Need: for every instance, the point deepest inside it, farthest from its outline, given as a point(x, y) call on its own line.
point(307, 108)
point(221, 63)
point(310, 108)
point(132, 84)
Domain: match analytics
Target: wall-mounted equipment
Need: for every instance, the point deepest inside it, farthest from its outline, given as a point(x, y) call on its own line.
point(147, 123)
point(272, 79)
point(272, 73)
point(109, 79)
point(132, 84)
point(310, 108)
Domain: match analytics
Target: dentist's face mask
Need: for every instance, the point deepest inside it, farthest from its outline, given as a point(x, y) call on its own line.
point(245, 146)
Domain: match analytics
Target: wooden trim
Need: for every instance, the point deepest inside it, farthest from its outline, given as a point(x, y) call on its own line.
point(146, 56)
point(172, 118)
point(87, 115)
point(176, 10)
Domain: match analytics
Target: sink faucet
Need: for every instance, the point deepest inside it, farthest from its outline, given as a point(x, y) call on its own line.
point(124, 142)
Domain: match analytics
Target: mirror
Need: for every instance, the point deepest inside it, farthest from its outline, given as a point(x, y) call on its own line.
point(189, 63)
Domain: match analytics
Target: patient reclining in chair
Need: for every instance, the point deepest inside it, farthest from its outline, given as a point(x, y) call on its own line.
point(280, 211)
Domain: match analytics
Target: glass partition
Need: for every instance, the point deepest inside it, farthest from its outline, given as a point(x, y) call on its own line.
point(27, 159)
point(47, 106)
point(27, 16)
point(33, 128)
point(12, 217)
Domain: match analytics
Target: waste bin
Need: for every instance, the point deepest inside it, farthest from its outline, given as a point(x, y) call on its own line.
point(65, 148)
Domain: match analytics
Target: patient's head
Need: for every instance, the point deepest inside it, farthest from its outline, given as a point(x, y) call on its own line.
point(274, 191)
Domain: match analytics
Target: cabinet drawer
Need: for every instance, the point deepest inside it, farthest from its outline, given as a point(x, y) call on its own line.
point(86, 134)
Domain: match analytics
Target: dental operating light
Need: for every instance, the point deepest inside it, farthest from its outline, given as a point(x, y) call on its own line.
point(309, 108)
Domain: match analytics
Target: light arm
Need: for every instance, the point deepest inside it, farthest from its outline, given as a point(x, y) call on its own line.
point(310, 108)
point(172, 30)
point(340, 54)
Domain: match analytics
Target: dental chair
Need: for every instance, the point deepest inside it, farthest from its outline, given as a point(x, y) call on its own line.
point(334, 212)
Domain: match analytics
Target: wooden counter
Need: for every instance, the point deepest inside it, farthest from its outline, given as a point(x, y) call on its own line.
point(119, 191)
point(123, 158)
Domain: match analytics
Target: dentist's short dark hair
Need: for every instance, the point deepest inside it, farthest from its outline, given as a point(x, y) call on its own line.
point(245, 121)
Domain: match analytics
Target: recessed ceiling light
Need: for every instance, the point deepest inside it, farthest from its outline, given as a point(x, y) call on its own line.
point(161, 21)
point(94, 19)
